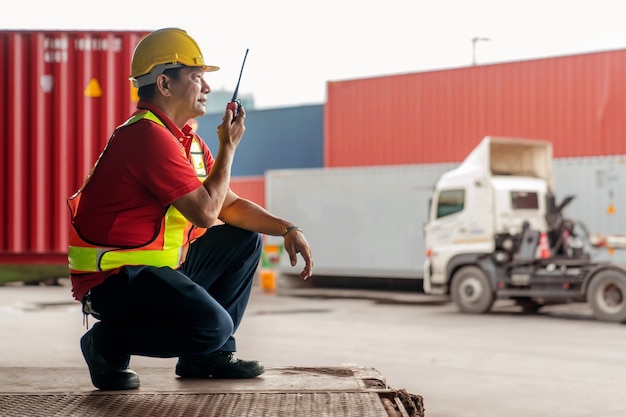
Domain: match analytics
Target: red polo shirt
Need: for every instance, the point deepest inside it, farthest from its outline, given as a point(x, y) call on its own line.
point(143, 169)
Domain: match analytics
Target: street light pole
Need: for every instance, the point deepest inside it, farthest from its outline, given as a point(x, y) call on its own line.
point(474, 41)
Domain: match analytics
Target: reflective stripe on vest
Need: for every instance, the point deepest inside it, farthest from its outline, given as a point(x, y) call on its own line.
point(169, 248)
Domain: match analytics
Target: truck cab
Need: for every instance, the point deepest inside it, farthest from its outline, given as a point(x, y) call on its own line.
point(501, 188)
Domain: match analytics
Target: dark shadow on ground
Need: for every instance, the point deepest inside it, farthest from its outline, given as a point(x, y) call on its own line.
point(413, 285)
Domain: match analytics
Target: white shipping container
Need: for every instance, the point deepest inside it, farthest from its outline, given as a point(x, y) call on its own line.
point(599, 184)
point(360, 222)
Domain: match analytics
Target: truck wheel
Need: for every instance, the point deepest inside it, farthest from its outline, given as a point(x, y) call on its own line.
point(607, 296)
point(471, 291)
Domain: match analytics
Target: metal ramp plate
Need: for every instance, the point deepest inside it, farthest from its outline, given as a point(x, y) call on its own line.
point(285, 392)
point(320, 404)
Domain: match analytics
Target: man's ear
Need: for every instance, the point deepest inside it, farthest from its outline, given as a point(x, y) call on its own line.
point(163, 84)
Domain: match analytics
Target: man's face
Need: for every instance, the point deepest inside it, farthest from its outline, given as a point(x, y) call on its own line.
point(189, 92)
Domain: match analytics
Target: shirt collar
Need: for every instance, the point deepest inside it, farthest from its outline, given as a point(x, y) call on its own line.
point(146, 105)
point(183, 135)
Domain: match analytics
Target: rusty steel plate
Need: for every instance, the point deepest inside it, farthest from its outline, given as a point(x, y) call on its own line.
point(318, 404)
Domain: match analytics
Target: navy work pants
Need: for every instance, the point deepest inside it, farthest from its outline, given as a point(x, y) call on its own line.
point(195, 310)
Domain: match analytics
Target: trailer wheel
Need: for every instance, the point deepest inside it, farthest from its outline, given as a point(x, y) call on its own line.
point(471, 291)
point(607, 296)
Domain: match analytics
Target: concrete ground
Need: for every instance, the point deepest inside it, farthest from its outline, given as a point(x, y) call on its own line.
point(559, 363)
point(42, 373)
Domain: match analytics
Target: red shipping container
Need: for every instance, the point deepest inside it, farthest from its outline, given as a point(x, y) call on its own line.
point(577, 102)
point(63, 93)
point(251, 188)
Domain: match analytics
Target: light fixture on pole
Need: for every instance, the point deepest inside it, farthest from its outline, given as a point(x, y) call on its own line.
point(474, 41)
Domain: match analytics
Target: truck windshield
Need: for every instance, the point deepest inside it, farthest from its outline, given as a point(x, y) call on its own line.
point(450, 202)
point(524, 200)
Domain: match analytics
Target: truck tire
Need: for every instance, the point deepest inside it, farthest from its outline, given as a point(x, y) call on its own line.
point(471, 291)
point(607, 296)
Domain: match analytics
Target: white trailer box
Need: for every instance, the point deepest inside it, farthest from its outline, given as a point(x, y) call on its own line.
point(360, 222)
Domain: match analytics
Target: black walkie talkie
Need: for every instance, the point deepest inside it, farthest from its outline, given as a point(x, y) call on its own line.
point(235, 103)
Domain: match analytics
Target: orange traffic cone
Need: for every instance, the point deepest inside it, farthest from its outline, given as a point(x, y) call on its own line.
point(544, 246)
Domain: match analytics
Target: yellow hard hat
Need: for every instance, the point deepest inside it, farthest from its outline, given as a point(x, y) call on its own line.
point(163, 49)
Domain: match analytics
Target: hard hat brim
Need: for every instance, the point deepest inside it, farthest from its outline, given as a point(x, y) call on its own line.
point(150, 77)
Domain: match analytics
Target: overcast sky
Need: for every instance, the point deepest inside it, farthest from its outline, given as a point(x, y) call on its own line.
point(296, 46)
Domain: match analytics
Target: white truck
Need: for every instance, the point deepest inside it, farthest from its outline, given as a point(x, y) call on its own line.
point(481, 230)
point(495, 232)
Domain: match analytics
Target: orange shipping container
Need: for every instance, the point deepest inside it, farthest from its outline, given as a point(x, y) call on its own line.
point(577, 102)
point(62, 94)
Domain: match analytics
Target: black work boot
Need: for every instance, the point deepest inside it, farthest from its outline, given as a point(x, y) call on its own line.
point(104, 375)
point(221, 365)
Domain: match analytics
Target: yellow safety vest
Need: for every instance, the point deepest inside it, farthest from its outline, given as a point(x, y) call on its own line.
point(168, 248)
